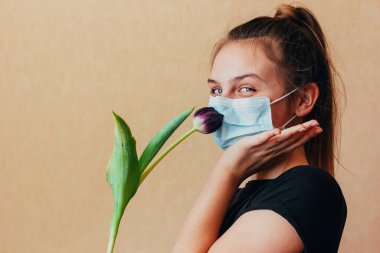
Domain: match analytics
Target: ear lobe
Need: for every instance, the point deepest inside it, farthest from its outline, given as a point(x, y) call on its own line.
point(306, 102)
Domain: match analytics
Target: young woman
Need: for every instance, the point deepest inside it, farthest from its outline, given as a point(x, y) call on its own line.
point(266, 74)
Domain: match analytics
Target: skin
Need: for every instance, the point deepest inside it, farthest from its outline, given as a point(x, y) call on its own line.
point(263, 156)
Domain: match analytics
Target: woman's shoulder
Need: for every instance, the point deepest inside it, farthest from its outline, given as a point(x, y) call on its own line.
point(304, 179)
point(312, 182)
point(303, 191)
point(307, 177)
point(307, 171)
point(305, 174)
point(310, 199)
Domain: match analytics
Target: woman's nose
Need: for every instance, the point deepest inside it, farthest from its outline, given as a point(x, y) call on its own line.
point(229, 94)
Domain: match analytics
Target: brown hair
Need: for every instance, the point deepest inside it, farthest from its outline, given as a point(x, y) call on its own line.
point(293, 39)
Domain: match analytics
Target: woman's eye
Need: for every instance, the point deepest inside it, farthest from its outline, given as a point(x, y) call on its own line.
point(247, 89)
point(219, 89)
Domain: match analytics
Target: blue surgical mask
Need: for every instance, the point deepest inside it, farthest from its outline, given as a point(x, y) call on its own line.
point(242, 117)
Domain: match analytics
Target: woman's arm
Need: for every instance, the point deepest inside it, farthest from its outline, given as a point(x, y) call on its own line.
point(202, 225)
point(238, 162)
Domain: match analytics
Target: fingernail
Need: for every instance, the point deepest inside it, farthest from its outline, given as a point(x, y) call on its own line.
point(314, 123)
point(319, 130)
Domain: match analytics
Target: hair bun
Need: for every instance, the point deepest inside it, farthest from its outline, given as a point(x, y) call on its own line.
point(303, 17)
point(285, 11)
point(297, 14)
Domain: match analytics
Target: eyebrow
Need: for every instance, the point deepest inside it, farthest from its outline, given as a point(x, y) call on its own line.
point(238, 78)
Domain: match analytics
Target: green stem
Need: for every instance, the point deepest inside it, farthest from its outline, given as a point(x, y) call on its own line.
point(163, 154)
point(111, 244)
point(114, 226)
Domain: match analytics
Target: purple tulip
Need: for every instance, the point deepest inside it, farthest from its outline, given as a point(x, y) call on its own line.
point(207, 120)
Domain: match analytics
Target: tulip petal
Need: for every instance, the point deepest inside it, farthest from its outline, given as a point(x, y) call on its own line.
point(160, 138)
point(207, 120)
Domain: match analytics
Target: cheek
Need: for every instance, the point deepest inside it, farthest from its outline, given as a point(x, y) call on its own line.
point(280, 114)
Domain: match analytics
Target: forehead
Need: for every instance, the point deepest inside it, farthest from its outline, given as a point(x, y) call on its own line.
point(239, 58)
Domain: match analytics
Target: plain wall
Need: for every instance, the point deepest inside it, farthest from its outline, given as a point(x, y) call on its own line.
point(65, 65)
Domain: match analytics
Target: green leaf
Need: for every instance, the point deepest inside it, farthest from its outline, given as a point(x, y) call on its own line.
point(122, 172)
point(160, 138)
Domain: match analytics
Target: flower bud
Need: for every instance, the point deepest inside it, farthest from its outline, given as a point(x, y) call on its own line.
point(207, 120)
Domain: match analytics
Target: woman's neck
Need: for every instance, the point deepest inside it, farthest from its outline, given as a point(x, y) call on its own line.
point(291, 159)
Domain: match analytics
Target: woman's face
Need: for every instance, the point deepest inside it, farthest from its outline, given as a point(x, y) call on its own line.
point(242, 70)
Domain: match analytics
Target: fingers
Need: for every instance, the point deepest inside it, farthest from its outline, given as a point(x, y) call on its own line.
point(301, 127)
point(304, 135)
point(290, 132)
point(311, 133)
point(289, 136)
point(276, 138)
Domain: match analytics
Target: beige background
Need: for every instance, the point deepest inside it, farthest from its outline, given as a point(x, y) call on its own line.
point(64, 65)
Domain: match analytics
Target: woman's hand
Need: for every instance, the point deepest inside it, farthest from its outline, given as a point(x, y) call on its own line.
point(252, 154)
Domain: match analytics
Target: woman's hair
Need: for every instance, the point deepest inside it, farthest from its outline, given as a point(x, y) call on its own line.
point(294, 41)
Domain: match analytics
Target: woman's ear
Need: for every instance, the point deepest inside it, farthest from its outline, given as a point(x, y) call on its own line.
point(305, 102)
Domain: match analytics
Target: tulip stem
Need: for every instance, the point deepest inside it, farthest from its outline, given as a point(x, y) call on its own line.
point(163, 154)
point(111, 244)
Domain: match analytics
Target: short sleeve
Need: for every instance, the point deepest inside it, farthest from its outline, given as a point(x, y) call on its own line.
point(312, 202)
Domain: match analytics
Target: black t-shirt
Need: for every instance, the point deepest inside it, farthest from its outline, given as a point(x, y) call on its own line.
point(307, 196)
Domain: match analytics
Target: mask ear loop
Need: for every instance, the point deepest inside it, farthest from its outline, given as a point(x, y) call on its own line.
point(283, 126)
point(284, 96)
